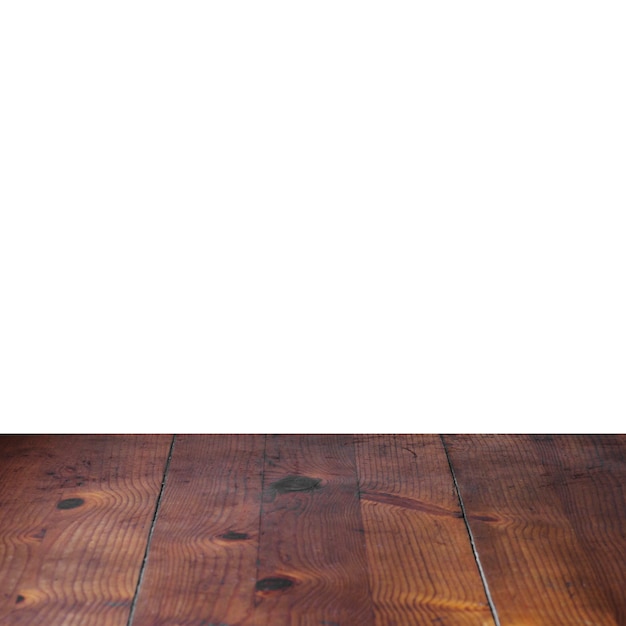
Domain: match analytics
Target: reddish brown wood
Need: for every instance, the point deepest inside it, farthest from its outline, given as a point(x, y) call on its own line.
point(548, 514)
point(312, 563)
point(75, 512)
point(202, 565)
point(422, 570)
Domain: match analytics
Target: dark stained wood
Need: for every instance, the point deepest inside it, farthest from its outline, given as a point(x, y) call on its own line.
point(312, 563)
point(304, 530)
point(548, 514)
point(201, 568)
point(422, 569)
point(75, 513)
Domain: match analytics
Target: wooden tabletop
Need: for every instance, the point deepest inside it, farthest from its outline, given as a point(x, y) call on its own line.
point(313, 530)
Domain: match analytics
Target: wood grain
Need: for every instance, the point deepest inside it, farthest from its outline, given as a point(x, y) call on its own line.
point(312, 530)
point(548, 514)
point(422, 569)
point(312, 562)
point(75, 513)
point(201, 569)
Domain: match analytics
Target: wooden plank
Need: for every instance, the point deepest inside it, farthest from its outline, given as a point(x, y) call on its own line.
point(422, 569)
point(312, 563)
point(75, 513)
point(201, 567)
point(548, 515)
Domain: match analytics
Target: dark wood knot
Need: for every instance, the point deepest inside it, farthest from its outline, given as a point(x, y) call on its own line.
point(296, 483)
point(273, 584)
point(70, 503)
point(231, 535)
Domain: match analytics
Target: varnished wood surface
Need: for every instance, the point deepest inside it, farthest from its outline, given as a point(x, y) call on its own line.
point(421, 565)
point(291, 530)
point(202, 562)
point(74, 519)
point(548, 514)
point(311, 535)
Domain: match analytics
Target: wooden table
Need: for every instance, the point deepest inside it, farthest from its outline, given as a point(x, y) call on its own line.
point(313, 530)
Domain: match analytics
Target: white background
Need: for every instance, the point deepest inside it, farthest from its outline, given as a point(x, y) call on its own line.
point(312, 216)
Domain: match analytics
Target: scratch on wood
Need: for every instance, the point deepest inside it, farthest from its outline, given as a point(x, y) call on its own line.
point(409, 450)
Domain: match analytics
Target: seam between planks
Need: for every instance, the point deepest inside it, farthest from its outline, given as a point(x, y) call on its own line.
point(150, 533)
point(483, 577)
point(258, 548)
point(355, 457)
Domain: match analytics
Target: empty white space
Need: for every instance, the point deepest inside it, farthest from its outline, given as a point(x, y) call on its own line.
point(309, 217)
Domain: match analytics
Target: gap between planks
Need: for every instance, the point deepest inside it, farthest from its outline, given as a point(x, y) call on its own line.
point(483, 577)
point(131, 614)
